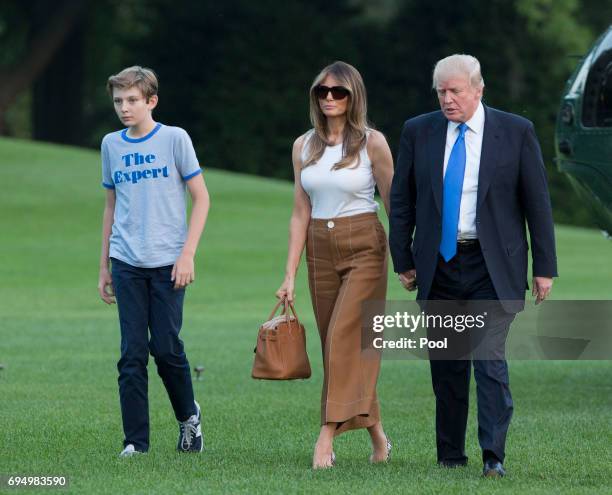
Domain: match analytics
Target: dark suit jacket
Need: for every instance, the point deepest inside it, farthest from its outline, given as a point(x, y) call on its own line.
point(512, 189)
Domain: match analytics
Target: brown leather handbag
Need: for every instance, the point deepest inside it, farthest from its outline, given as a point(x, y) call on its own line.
point(280, 353)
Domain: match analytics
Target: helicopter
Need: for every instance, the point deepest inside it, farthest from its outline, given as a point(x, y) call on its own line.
point(583, 137)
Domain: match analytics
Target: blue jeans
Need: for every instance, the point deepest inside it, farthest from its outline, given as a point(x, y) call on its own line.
point(148, 302)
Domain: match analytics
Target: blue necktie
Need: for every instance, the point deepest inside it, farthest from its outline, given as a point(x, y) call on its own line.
point(451, 199)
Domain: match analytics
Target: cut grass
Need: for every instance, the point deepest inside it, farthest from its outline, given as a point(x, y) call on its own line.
point(59, 408)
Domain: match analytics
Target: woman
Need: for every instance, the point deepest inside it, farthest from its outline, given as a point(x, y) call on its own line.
point(336, 166)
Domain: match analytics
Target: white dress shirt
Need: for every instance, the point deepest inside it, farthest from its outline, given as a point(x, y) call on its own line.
point(473, 147)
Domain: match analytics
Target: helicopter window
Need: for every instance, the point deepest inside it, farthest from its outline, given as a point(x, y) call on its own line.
point(597, 105)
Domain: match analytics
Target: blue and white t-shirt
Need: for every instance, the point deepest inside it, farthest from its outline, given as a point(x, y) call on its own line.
point(148, 175)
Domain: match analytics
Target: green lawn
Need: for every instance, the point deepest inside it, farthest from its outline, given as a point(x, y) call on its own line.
point(59, 410)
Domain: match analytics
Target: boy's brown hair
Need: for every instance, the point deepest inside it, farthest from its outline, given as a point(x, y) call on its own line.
point(143, 78)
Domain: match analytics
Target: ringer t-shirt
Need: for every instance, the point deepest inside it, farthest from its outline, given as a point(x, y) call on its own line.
point(148, 175)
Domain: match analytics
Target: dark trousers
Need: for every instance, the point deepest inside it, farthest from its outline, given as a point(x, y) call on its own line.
point(465, 277)
point(147, 301)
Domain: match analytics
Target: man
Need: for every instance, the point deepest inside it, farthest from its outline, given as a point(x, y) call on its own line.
point(467, 178)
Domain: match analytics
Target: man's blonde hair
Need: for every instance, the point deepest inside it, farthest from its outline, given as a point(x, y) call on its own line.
point(142, 78)
point(458, 65)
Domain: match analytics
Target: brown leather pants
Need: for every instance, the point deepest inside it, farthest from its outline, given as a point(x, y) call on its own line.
point(347, 265)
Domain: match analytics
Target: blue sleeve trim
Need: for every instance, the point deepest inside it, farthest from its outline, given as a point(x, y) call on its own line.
point(108, 186)
point(191, 176)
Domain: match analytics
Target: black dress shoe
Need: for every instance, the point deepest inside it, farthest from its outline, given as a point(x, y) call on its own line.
point(493, 469)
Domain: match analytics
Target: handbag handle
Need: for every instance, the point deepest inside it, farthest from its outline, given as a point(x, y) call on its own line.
point(294, 313)
point(286, 304)
point(280, 301)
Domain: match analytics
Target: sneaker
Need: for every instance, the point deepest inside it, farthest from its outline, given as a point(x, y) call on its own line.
point(190, 433)
point(129, 451)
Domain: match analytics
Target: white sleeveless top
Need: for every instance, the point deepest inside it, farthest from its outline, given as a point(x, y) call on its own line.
point(338, 193)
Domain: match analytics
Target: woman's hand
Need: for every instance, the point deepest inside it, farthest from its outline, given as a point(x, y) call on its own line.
point(287, 289)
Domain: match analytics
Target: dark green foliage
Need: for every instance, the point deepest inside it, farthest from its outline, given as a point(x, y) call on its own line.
point(236, 74)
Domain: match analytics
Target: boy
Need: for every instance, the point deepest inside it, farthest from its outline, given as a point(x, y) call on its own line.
point(145, 169)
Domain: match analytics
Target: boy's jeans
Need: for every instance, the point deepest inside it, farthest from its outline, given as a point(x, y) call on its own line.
point(147, 301)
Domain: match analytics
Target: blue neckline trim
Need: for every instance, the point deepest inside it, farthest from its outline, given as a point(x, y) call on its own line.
point(141, 139)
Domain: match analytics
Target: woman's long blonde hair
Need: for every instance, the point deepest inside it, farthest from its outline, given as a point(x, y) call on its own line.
point(354, 138)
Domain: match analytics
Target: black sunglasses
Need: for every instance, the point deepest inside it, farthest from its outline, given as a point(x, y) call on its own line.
point(337, 92)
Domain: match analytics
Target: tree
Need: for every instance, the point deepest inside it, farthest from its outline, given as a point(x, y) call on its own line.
point(523, 46)
point(45, 39)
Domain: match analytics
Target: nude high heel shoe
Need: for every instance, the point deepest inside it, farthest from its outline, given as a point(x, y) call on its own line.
point(388, 456)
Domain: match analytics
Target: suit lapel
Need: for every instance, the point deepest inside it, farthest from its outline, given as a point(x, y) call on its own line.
point(436, 145)
point(488, 155)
